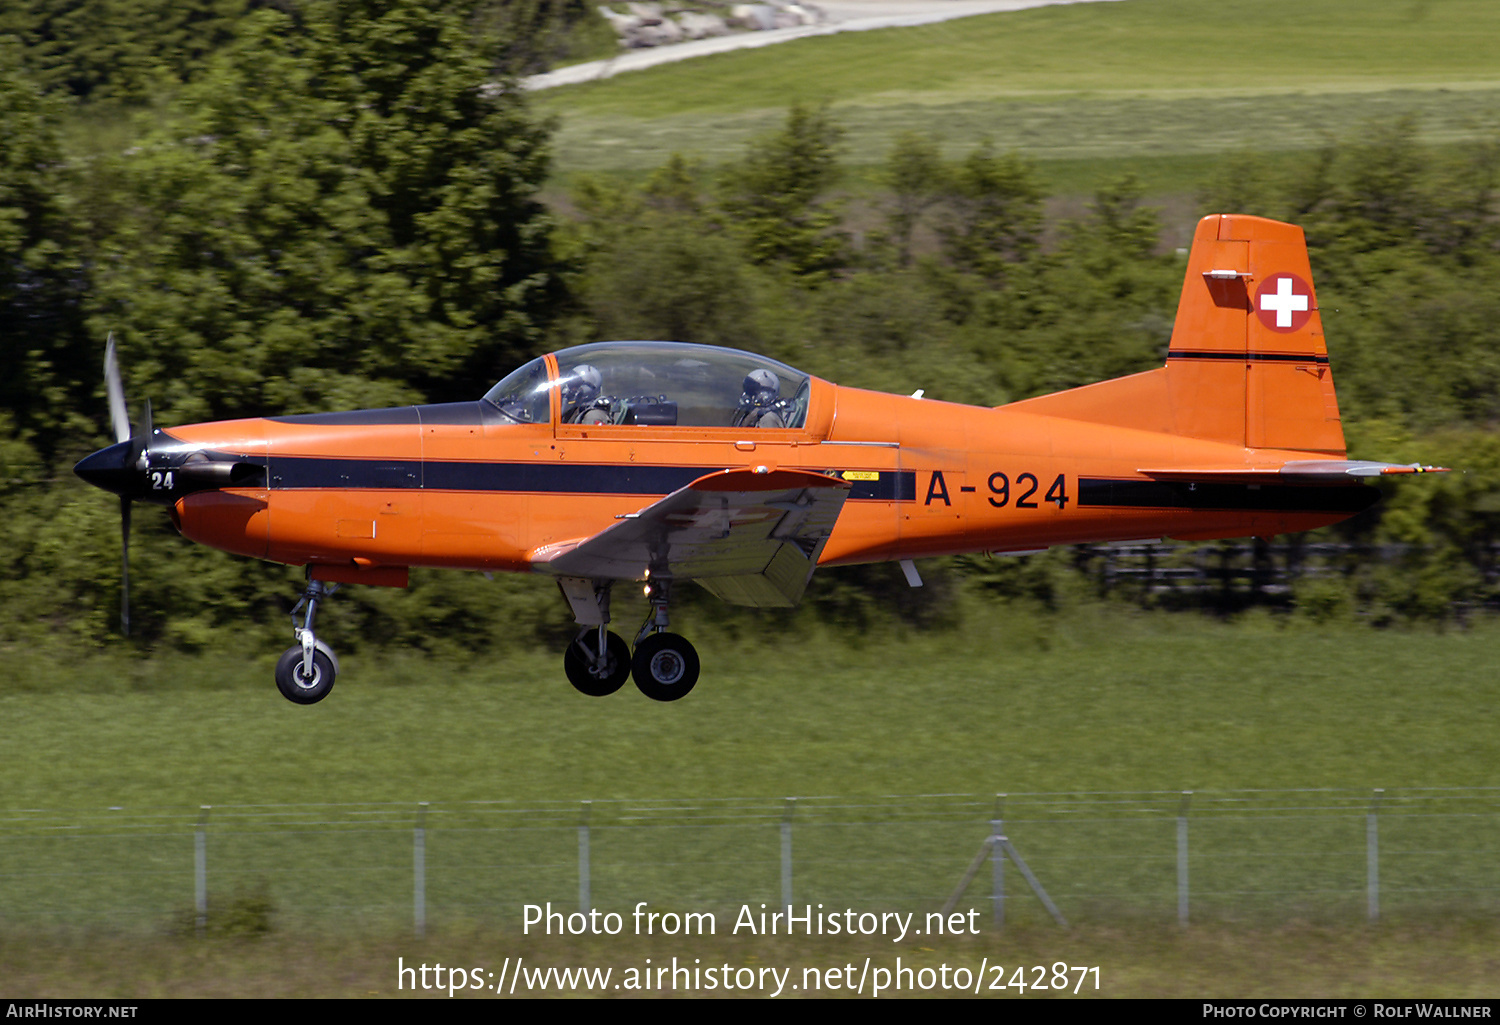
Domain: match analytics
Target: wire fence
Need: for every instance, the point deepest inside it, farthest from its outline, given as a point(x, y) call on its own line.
point(1188, 857)
point(1240, 573)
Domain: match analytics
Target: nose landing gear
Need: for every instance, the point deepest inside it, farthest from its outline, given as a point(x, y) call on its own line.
point(307, 670)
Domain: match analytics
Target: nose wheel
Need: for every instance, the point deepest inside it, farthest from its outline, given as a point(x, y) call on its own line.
point(306, 671)
point(299, 684)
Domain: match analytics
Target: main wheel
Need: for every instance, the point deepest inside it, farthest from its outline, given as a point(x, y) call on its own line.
point(302, 688)
point(583, 672)
point(665, 667)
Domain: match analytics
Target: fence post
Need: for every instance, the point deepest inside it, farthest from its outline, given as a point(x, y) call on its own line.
point(786, 854)
point(419, 872)
point(1182, 859)
point(1372, 857)
point(583, 857)
point(997, 864)
point(200, 870)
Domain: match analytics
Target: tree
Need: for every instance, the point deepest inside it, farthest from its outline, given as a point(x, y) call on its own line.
point(345, 215)
point(118, 49)
point(777, 196)
point(454, 161)
point(661, 264)
point(1098, 306)
point(917, 178)
point(41, 282)
point(533, 35)
point(995, 214)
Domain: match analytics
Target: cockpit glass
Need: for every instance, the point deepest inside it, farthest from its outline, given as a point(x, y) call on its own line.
point(523, 395)
point(678, 384)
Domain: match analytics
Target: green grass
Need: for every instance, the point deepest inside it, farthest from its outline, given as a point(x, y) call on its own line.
point(1143, 78)
point(122, 755)
point(1081, 702)
point(1163, 47)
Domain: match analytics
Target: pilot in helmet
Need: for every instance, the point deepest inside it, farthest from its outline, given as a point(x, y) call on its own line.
point(580, 393)
point(760, 405)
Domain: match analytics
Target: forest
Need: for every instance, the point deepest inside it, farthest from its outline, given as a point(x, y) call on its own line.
point(302, 205)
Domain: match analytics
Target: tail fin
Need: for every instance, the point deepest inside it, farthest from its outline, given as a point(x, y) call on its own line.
point(1247, 364)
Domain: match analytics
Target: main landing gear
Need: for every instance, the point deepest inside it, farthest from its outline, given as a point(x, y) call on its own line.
point(306, 670)
point(665, 666)
point(597, 662)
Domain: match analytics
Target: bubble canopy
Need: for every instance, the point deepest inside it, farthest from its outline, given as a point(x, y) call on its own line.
point(656, 383)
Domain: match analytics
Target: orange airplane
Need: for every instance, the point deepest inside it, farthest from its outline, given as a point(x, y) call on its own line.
point(663, 462)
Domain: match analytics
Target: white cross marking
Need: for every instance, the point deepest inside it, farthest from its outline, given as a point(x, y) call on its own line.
point(1284, 302)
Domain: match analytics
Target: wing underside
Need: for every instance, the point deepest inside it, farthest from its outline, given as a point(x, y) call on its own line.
point(751, 537)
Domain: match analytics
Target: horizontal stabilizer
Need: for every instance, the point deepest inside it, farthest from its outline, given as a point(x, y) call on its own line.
point(750, 536)
point(1308, 471)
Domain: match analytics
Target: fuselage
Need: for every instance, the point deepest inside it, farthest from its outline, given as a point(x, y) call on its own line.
point(460, 486)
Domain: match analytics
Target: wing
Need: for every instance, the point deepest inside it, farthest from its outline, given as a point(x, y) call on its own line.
point(751, 537)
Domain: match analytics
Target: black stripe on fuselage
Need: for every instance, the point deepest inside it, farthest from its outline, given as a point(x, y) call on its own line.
point(318, 472)
point(577, 478)
point(1153, 494)
point(301, 472)
point(1249, 357)
point(582, 478)
point(893, 486)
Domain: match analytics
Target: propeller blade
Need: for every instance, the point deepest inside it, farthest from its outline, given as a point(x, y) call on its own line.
point(119, 418)
point(124, 566)
point(118, 415)
point(144, 459)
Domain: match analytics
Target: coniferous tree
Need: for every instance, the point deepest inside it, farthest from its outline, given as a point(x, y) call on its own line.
point(41, 280)
point(778, 197)
point(346, 215)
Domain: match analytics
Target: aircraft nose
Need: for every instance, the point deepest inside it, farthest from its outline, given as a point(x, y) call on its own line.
point(110, 468)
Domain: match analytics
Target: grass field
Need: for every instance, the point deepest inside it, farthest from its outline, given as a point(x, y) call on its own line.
point(1129, 81)
point(1019, 704)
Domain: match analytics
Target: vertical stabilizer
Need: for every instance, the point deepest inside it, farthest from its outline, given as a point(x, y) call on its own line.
point(1247, 362)
point(1246, 366)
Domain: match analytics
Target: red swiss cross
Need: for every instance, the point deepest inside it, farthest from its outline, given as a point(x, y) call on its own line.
point(1283, 302)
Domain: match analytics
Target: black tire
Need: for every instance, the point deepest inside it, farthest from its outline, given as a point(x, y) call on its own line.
point(665, 667)
point(296, 689)
point(578, 663)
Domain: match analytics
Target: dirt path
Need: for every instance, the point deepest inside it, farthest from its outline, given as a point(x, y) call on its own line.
point(843, 16)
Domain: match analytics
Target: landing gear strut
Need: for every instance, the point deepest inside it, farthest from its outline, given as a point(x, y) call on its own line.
point(665, 666)
point(307, 670)
point(598, 661)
